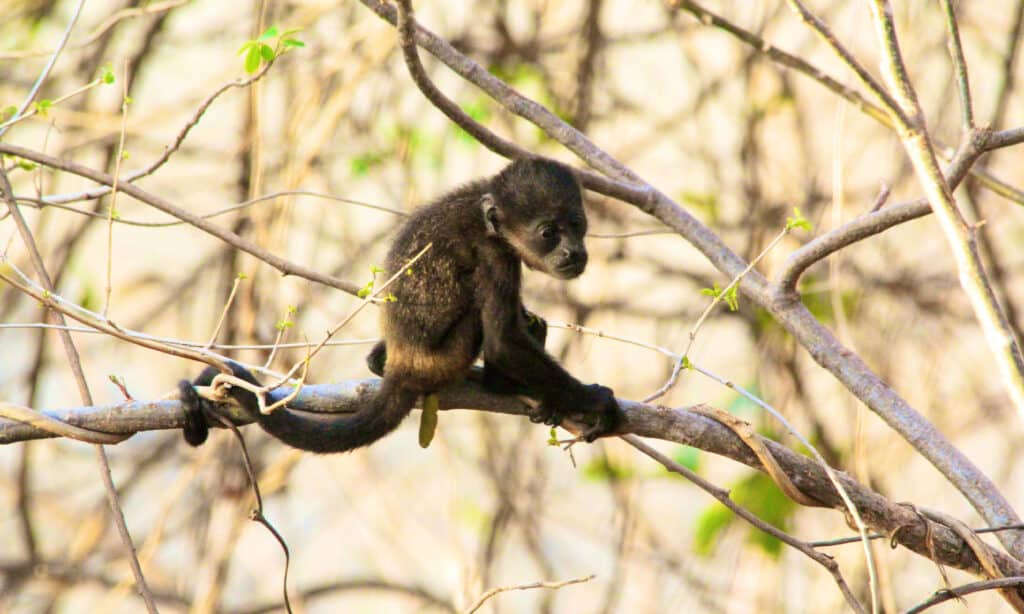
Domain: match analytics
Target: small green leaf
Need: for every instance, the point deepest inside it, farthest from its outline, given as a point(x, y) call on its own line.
point(713, 292)
point(428, 420)
point(267, 52)
point(26, 165)
point(552, 437)
point(283, 325)
point(107, 74)
point(252, 60)
point(114, 215)
point(43, 106)
point(291, 42)
point(409, 272)
point(366, 290)
point(124, 154)
point(688, 457)
point(601, 468)
point(797, 221)
point(390, 298)
point(290, 31)
point(685, 363)
point(246, 46)
point(268, 34)
point(241, 276)
point(731, 298)
point(374, 269)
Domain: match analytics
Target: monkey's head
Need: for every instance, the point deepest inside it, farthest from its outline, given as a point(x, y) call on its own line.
point(536, 207)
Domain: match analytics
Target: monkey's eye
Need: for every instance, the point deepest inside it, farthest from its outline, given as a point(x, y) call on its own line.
point(549, 232)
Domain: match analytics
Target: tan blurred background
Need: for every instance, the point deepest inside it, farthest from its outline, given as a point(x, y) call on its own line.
point(737, 139)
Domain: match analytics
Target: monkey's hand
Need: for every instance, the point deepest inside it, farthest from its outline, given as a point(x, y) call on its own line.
point(536, 326)
point(594, 404)
point(602, 412)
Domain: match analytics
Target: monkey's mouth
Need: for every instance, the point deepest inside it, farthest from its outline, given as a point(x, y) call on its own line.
point(571, 269)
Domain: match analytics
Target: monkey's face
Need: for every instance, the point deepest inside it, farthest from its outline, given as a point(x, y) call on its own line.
point(537, 206)
point(553, 243)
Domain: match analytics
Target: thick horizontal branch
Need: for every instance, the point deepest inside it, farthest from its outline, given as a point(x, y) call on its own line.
point(676, 425)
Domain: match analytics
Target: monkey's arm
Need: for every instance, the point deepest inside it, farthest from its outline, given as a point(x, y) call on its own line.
point(509, 348)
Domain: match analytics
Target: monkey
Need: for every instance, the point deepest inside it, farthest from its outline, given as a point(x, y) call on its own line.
point(461, 298)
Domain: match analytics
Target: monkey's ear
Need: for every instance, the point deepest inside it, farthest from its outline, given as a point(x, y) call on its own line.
point(492, 215)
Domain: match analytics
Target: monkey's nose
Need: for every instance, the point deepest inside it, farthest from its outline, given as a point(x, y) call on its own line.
point(574, 254)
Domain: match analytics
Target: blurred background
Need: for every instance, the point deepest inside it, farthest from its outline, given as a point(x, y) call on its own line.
point(737, 139)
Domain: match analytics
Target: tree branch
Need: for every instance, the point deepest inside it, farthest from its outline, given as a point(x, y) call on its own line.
point(682, 426)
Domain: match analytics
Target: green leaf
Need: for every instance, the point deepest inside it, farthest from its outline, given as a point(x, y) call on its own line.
point(107, 73)
point(252, 60)
point(710, 524)
point(713, 292)
point(267, 52)
point(283, 325)
point(552, 437)
point(362, 163)
point(43, 106)
point(291, 42)
point(26, 165)
point(761, 496)
point(246, 46)
point(602, 468)
point(688, 457)
point(731, 298)
point(797, 221)
point(268, 34)
point(374, 269)
point(428, 420)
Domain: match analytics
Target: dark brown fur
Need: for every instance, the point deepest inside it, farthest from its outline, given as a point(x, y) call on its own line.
point(461, 297)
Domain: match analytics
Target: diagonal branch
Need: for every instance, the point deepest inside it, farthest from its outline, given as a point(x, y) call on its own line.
point(820, 343)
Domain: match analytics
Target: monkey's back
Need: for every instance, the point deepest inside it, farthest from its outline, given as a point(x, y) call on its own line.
point(432, 328)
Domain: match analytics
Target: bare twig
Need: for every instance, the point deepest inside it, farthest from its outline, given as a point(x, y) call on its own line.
point(46, 70)
point(956, 51)
point(945, 594)
point(723, 497)
point(285, 266)
point(961, 238)
point(522, 587)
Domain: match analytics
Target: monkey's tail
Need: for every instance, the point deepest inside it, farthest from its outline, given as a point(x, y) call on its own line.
point(323, 433)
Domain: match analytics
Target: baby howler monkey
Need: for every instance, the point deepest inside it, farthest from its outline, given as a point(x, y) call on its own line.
point(463, 296)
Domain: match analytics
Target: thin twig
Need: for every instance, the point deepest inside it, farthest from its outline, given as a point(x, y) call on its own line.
point(522, 587)
point(7, 193)
point(956, 51)
point(46, 69)
point(945, 594)
point(723, 497)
